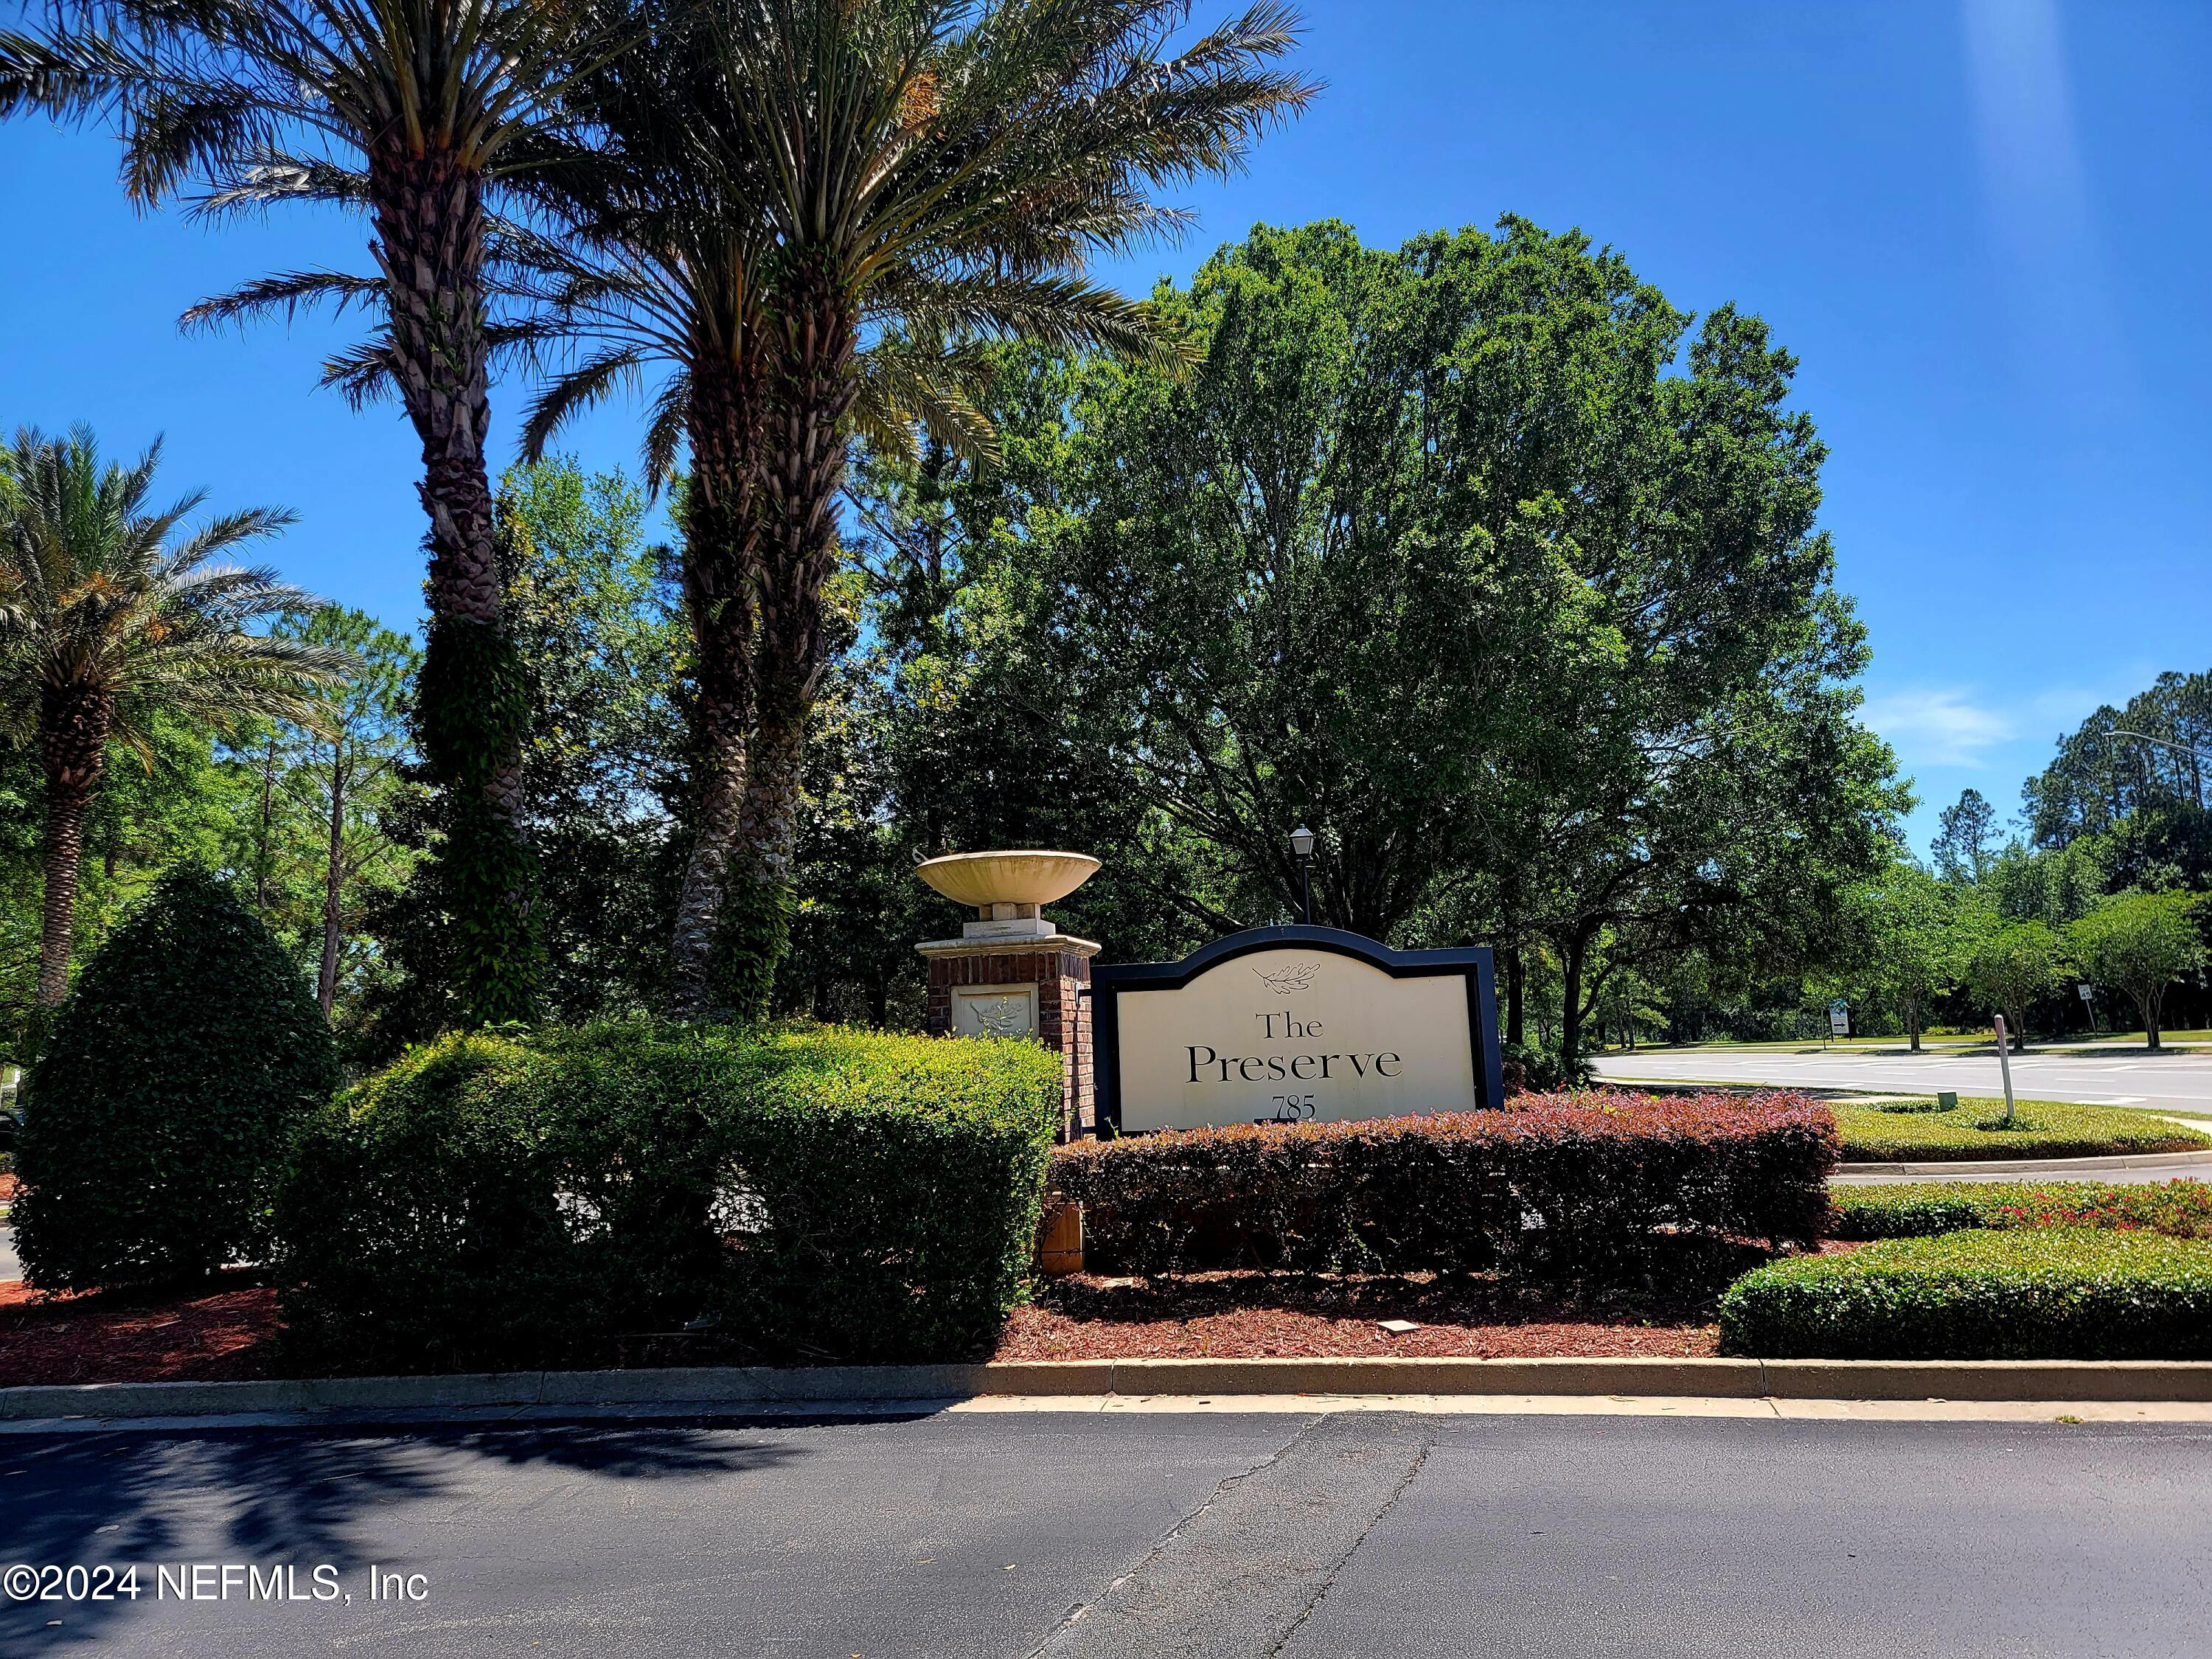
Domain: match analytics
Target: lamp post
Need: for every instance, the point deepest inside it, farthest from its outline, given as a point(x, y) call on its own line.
point(1302, 846)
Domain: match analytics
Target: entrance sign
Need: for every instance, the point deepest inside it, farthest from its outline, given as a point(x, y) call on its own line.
point(1289, 1023)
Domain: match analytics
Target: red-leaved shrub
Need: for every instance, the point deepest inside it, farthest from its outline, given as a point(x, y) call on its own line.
point(1575, 1185)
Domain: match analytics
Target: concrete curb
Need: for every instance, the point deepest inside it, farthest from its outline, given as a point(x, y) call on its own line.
point(2000, 1167)
point(735, 1388)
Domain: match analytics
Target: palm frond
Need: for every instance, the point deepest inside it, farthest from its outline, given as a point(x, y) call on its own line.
point(99, 595)
point(282, 296)
point(361, 372)
point(597, 378)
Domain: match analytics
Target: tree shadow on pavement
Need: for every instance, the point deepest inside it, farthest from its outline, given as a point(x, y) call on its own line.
point(265, 1495)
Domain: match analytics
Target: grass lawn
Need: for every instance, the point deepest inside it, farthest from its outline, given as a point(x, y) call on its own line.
point(2043, 1128)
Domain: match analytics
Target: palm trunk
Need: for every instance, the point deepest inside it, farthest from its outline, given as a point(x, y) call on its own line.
point(73, 727)
point(429, 242)
point(473, 703)
point(756, 927)
point(326, 978)
point(721, 561)
point(811, 390)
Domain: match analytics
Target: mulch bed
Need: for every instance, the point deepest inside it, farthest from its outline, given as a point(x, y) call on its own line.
point(1245, 1316)
point(228, 1331)
point(220, 1332)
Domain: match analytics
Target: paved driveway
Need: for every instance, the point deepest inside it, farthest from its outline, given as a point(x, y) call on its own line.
point(1016, 1535)
point(2165, 1081)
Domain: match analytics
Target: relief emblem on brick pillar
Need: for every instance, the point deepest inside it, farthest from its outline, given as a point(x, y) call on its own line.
point(1012, 973)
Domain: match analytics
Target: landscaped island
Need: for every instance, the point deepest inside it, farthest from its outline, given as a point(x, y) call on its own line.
point(1909, 1132)
point(632, 1193)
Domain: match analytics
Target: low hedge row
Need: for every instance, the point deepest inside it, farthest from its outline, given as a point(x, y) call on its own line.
point(813, 1193)
point(2181, 1209)
point(2041, 1128)
point(2045, 1293)
point(1576, 1185)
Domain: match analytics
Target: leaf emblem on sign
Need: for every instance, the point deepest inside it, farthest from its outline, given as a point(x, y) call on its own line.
point(1003, 1016)
point(1298, 976)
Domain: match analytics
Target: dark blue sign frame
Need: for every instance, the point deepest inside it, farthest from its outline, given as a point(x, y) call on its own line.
point(1111, 980)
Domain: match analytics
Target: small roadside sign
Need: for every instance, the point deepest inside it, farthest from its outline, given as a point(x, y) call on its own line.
point(2088, 995)
point(1839, 1017)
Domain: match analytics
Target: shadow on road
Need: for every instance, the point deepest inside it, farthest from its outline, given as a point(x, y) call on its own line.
point(269, 1496)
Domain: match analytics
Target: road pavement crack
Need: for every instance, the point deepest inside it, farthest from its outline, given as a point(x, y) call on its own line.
point(1082, 1609)
point(1337, 1565)
point(1237, 1576)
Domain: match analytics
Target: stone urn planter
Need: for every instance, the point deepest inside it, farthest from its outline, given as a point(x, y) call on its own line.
point(1012, 973)
point(1011, 886)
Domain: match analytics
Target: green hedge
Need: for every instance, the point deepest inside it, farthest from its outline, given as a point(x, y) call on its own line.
point(2042, 1128)
point(806, 1193)
point(2182, 1209)
point(155, 1122)
point(1578, 1185)
point(2045, 1293)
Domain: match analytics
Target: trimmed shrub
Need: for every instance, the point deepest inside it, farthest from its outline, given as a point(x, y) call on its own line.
point(2181, 1209)
point(808, 1193)
point(1575, 1185)
point(157, 1121)
point(2042, 1128)
point(2048, 1293)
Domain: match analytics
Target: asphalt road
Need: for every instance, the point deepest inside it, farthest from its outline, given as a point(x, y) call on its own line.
point(2165, 1081)
point(1351, 1536)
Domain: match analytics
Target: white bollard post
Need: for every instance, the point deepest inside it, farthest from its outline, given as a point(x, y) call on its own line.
point(2004, 1065)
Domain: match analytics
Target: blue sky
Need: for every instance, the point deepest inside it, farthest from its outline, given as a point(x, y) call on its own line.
point(1981, 224)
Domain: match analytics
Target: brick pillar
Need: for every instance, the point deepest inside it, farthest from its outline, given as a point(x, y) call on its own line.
point(1038, 986)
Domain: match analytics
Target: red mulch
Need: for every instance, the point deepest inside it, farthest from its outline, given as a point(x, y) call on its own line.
point(218, 1334)
point(1240, 1316)
point(1247, 1314)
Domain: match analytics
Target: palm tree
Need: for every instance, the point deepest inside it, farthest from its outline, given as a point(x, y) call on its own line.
point(110, 619)
point(660, 272)
point(955, 162)
point(412, 111)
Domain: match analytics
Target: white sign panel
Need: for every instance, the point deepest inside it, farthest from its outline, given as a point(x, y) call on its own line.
point(1839, 1019)
point(1293, 1032)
